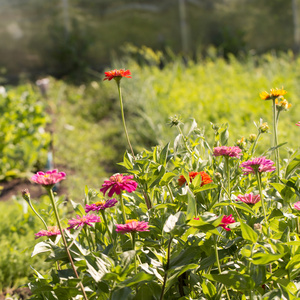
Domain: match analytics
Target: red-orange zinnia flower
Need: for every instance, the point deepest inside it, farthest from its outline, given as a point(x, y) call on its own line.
point(117, 74)
point(205, 178)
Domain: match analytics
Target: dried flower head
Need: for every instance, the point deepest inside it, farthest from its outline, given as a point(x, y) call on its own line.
point(258, 164)
point(226, 220)
point(175, 121)
point(100, 205)
point(117, 74)
point(227, 151)
point(48, 179)
point(82, 221)
point(252, 137)
point(249, 198)
point(26, 195)
point(52, 230)
point(205, 178)
point(274, 93)
point(132, 226)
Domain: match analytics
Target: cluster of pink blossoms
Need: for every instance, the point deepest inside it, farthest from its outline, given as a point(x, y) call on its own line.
point(227, 151)
point(259, 164)
point(118, 183)
point(84, 220)
point(249, 198)
point(297, 205)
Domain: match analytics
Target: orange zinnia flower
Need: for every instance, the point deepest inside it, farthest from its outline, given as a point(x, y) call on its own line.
point(117, 74)
point(205, 178)
point(274, 93)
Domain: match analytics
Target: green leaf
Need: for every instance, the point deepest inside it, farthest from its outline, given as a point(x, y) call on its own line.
point(294, 262)
point(78, 208)
point(265, 258)
point(287, 193)
point(163, 155)
point(136, 279)
point(127, 258)
point(242, 206)
point(166, 178)
point(292, 166)
point(205, 187)
point(40, 248)
point(191, 207)
point(248, 233)
point(208, 289)
point(121, 293)
point(233, 280)
point(172, 221)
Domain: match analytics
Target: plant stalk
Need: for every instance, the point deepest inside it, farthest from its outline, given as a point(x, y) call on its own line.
point(258, 178)
point(275, 121)
point(167, 268)
point(50, 192)
point(122, 208)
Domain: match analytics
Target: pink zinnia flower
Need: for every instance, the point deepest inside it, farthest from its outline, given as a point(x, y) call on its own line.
point(52, 230)
point(249, 198)
point(132, 226)
point(297, 205)
point(259, 164)
point(49, 178)
point(117, 74)
point(226, 220)
point(298, 123)
point(227, 151)
point(84, 220)
point(118, 183)
point(100, 205)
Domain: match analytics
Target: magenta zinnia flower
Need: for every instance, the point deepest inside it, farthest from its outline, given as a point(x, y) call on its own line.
point(132, 226)
point(52, 230)
point(118, 183)
point(100, 205)
point(226, 220)
point(259, 164)
point(227, 151)
point(84, 220)
point(298, 123)
point(249, 198)
point(297, 205)
point(49, 178)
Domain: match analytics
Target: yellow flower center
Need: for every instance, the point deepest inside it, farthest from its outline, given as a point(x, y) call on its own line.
point(100, 203)
point(132, 220)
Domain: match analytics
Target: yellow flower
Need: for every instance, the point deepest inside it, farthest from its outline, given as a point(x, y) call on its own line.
point(274, 93)
point(283, 104)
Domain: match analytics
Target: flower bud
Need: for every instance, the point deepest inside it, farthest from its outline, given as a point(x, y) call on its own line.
point(283, 104)
point(26, 195)
point(257, 227)
point(241, 143)
point(218, 176)
point(264, 127)
point(252, 138)
point(175, 121)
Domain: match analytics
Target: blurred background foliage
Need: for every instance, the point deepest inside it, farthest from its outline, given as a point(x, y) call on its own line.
point(61, 36)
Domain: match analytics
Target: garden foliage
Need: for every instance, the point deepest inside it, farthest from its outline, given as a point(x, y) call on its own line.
point(189, 220)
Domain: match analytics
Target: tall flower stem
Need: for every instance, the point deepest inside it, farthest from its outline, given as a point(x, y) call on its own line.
point(258, 178)
point(185, 141)
point(133, 234)
point(166, 269)
point(51, 196)
point(38, 215)
point(218, 262)
point(227, 168)
point(122, 208)
point(275, 121)
point(254, 144)
point(123, 118)
point(109, 233)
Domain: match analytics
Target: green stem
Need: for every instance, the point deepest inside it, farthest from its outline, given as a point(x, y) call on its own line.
point(87, 237)
point(254, 144)
point(133, 234)
point(166, 270)
point(123, 118)
point(50, 193)
point(109, 233)
point(275, 121)
point(122, 207)
point(218, 262)
point(91, 238)
point(185, 141)
point(227, 167)
point(170, 193)
point(258, 178)
point(31, 206)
